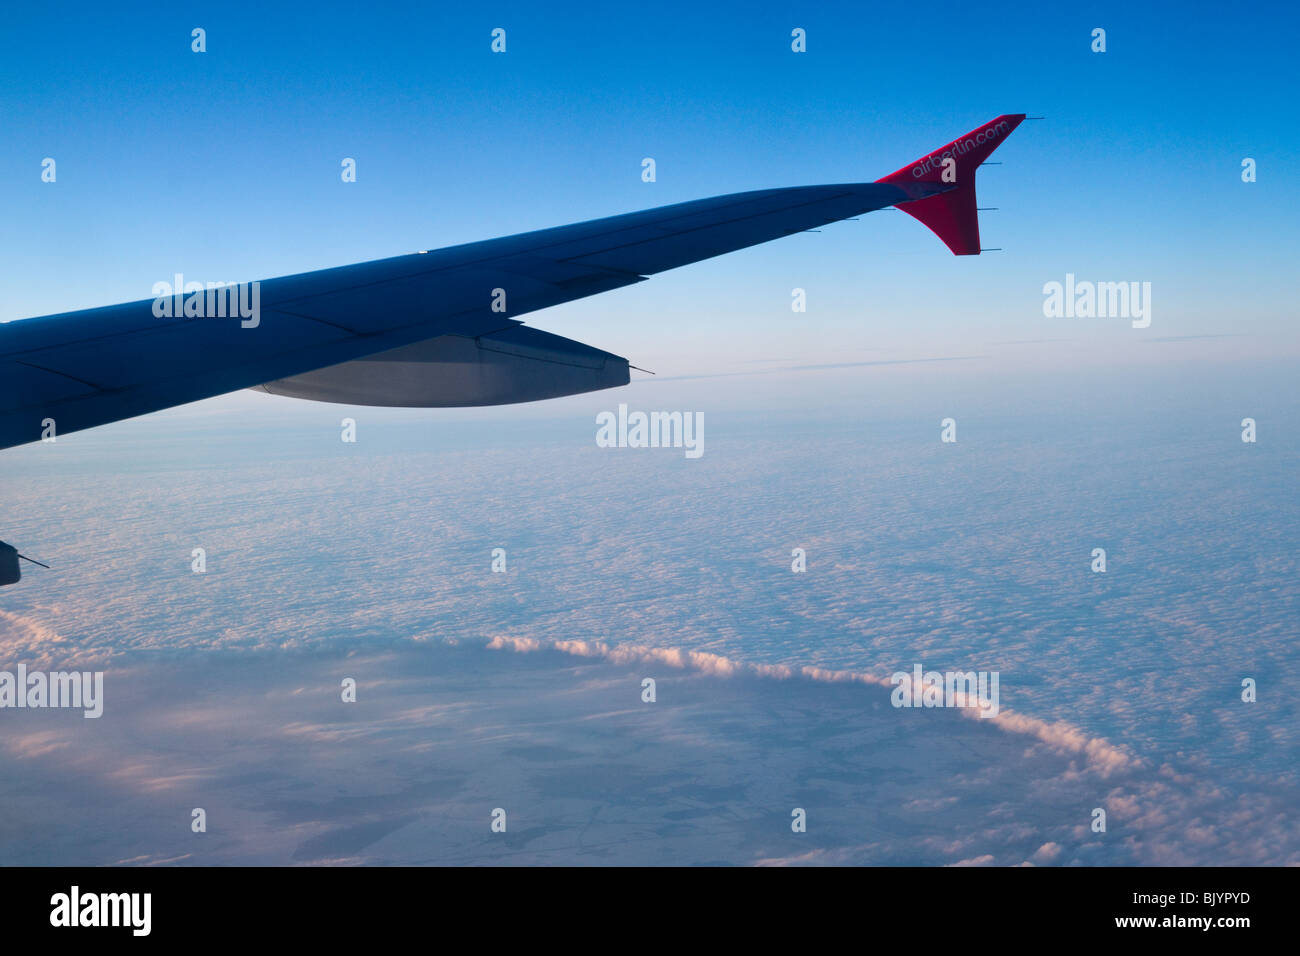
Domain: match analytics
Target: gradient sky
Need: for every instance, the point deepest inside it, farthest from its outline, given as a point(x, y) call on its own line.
point(823, 432)
point(225, 165)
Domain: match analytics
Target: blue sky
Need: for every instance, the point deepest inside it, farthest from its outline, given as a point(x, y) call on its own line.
point(226, 164)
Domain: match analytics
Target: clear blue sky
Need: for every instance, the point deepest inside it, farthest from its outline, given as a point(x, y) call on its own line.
point(225, 165)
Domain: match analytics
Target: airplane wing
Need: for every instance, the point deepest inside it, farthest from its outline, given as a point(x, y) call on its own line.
point(429, 329)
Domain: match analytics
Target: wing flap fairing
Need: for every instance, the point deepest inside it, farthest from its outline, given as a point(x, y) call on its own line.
point(517, 364)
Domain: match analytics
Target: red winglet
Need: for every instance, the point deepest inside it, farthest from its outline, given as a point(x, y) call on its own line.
point(951, 215)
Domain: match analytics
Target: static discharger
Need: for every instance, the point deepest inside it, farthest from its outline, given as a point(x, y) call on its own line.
point(10, 571)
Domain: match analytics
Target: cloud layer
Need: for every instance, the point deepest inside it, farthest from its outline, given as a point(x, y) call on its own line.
point(440, 736)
